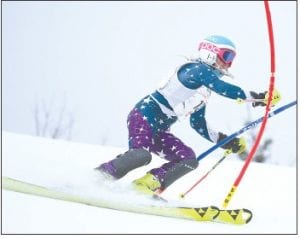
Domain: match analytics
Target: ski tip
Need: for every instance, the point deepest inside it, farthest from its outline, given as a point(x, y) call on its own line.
point(235, 216)
point(248, 215)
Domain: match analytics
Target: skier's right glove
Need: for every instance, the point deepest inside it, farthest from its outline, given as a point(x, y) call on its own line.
point(236, 145)
point(276, 97)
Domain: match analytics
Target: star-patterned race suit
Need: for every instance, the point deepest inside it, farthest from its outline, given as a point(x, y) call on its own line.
point(184, 94)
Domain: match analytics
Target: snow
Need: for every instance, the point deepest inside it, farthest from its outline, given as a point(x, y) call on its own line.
point(268, 190)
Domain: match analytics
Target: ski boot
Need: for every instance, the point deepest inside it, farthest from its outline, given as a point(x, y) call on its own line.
point(147, 184)
point(158, 179)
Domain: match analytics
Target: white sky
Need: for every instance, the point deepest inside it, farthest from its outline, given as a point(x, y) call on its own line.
point(102, 57)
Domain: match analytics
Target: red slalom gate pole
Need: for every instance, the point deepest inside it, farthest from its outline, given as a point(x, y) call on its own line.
point(264, 122)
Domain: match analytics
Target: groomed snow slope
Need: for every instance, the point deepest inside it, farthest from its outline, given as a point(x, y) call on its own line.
point(268, 190)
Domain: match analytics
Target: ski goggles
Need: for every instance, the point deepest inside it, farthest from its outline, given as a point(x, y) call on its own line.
point(226, 55)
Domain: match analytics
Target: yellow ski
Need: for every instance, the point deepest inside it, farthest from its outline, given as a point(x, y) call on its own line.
point(211, 213)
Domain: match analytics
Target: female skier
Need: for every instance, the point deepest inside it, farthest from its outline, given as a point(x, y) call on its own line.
point(186, 93)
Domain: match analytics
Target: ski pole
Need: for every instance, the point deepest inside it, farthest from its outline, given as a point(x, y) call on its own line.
point(276, 97)
point(227, 152)
point(240, 101)
point(224, 141)
point(244, 129)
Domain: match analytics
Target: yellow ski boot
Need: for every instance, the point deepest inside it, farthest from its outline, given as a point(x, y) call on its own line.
point(147, 184)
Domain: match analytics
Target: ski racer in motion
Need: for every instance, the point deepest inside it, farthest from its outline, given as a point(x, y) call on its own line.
point(185, 94)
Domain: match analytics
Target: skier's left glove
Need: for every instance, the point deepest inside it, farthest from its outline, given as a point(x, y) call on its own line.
point(236, 145)
point(276, 97)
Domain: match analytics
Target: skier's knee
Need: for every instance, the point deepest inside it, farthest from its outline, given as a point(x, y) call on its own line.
point(178, 170)
point(132, 159)
point(128, 161)
point(138, 154)
point(191, 163)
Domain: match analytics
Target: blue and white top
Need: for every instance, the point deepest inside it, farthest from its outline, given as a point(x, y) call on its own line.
point(186, 93)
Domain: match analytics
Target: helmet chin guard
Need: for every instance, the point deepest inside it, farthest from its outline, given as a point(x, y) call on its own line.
point(207, 56)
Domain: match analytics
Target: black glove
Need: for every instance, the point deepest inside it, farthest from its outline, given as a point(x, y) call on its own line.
point(263, 97)
point(236, 145)
point(259, 96)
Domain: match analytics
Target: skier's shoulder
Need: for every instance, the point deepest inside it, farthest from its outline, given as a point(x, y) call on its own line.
point(198, 70)
point(195, 65)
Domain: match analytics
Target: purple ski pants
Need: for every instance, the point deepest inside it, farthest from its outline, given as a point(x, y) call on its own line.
point(160, 142)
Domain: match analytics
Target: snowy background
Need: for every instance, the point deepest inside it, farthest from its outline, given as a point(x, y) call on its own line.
point(268, 190)
point(95, 60)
